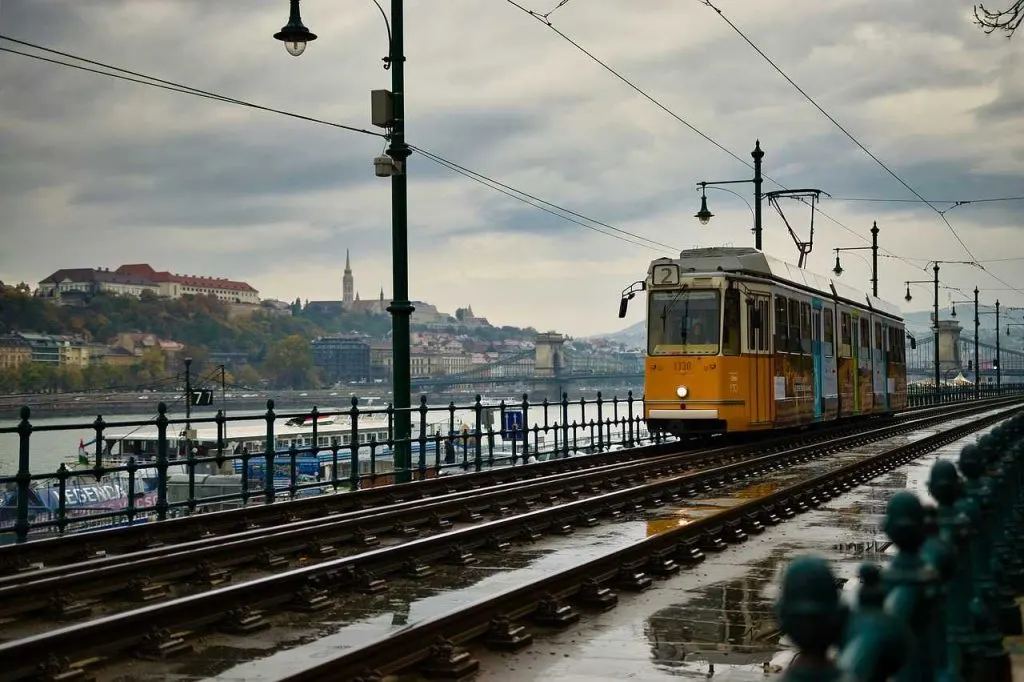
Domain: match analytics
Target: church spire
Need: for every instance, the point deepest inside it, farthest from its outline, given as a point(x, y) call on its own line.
point(382, 292)
point(347, 283)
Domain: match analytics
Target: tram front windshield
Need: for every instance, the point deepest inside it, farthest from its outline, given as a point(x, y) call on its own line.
point(684, 322)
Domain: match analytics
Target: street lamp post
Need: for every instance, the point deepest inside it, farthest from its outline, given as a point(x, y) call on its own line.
point(838, 269)
point(998, 365)
point(704, 215)
point(977, 340)
point(935, 315)
point(295, 36)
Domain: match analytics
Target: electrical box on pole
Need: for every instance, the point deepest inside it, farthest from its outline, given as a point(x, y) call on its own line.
point(382, 108)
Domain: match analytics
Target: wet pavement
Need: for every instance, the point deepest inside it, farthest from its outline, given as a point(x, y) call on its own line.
point(717, 614)
point(716, 622)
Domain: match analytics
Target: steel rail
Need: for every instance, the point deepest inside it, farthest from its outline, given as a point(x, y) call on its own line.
point(75, 547)
point(313, 586)
point(59, 591)
point(436, 640)
point(272, 545)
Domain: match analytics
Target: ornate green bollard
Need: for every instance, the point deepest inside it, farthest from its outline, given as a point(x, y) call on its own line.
point(810, 614)
point(940, 556)
point(874, 644)
point(986, 659)
point(995, 514)
point(945, 486)
point(911, 584)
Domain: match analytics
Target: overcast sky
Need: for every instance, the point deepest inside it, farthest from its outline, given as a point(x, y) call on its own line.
point(100, 172)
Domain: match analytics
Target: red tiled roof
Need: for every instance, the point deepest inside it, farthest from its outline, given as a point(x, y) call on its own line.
point(145, 270)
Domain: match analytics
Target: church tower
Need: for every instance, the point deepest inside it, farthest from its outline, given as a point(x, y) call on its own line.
point(347, 283)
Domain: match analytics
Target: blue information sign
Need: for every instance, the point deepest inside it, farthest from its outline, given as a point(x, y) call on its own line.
point(512, 425)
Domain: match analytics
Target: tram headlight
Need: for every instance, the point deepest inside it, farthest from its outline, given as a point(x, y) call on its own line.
point(682, 391)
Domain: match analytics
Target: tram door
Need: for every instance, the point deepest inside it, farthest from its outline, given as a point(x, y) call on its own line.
point(817, 354)
point(759, 386)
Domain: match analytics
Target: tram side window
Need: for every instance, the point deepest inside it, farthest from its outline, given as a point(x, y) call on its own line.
point(762, 309)
point(781, 325)
point(794, 326)
point(878, 337)
point(845, 338)
point(830, 333)
point(805, 328)
point(731, 329)
point(865, 337)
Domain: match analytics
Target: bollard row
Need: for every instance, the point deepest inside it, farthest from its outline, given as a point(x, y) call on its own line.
point(941, 608)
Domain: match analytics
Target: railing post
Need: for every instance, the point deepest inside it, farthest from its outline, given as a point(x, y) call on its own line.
point(161, 461)
point(874, 644)
point(269, 452)
point(809, 612)
point(24, 475)
point(954, 528)
point(565, 425)
point(629, 403)
point(992, 446)
point(910, 585)
point(478, 418)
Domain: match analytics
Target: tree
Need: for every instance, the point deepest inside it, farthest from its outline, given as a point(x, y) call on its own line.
point(1006, 20)
point(289, 364)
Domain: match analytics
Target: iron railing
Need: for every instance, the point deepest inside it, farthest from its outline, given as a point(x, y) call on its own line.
point(176, 471)
point(940, 609)
point(154, 469)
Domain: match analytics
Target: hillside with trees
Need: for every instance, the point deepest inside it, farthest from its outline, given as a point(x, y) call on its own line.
point(276, 346)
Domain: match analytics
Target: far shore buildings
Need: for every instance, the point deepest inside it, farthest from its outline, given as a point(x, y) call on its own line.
point(77, 285)
point(424, 315)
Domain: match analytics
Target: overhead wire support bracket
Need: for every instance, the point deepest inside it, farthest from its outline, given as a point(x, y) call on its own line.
point(802, 195)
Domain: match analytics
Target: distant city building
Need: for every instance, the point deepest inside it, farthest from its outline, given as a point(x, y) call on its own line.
point(342, 358)
point(71, 285)
point(14, 351)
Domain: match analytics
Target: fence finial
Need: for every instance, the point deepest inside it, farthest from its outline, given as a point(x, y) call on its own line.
point(810, 613)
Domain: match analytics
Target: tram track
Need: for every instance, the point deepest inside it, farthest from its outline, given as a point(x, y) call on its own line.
point(75, 591)
point(440, 646)
point(84, 546)
point(313, 587)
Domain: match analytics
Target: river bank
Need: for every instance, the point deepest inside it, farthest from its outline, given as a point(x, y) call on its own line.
point(91, 404)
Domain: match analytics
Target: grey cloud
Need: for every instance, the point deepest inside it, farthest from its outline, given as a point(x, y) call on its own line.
point(236, 186)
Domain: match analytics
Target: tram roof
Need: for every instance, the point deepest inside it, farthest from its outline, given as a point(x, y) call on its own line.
point(752, 261)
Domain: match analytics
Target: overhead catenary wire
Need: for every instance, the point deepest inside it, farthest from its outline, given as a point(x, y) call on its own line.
point(940, 212)
point(708, 3)
point(145, 79)
point(543, 18)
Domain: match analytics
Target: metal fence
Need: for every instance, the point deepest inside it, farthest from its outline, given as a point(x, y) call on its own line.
point(134, 471)
point(140, 470)
point(940, 609)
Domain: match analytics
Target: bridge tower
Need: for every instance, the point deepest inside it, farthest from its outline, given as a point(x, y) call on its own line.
point(547, 362)
point(949, 347)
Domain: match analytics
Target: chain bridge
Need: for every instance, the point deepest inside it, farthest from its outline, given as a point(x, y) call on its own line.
point(549, 362)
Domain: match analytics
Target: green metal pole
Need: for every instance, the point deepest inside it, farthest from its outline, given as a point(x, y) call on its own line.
point(977, 352)
point(758, 154)
point(401, 309)
point(938, 390)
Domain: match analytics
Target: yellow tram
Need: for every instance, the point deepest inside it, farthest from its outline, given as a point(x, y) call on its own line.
point(738, 341)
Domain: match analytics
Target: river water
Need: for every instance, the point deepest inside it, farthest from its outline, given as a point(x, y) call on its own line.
point(50, 448)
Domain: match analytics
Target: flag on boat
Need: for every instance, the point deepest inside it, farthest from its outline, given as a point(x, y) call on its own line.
point(83, 456)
